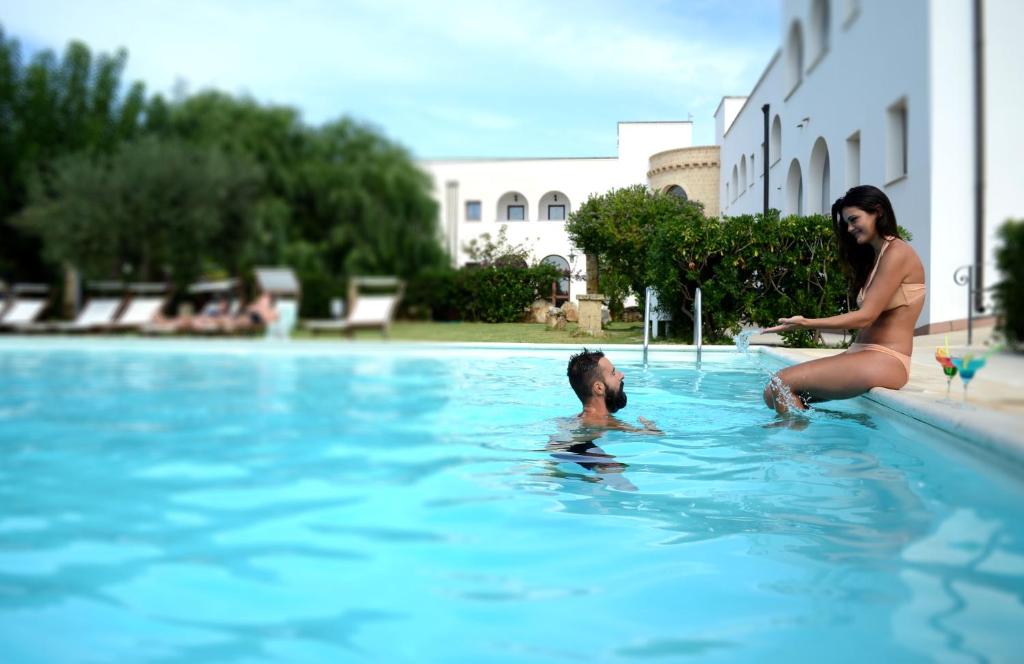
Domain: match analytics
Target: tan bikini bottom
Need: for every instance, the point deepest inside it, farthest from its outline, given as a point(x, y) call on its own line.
point(904, 359)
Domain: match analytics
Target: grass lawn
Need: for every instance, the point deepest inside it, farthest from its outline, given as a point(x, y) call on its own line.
point(534, 333)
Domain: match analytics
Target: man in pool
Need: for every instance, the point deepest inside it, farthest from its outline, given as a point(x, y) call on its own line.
point(600, 387)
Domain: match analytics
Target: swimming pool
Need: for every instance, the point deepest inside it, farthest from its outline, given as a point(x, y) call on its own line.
point(242, 502)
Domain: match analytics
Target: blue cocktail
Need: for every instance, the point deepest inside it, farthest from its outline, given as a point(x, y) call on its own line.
point(968, 365)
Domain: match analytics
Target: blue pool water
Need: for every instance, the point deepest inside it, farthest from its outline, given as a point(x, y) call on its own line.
point(222, 502)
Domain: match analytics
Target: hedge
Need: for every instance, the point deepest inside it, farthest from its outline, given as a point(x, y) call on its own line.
point(496, 294)
point(752, 269)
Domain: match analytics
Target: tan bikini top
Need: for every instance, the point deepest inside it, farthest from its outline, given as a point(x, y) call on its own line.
point(905, 295)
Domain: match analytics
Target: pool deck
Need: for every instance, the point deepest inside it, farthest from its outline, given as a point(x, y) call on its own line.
point(993, 417)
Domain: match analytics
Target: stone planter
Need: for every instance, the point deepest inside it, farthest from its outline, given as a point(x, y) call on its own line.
point(590, 314)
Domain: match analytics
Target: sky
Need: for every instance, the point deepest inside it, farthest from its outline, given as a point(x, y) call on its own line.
point(452, 78)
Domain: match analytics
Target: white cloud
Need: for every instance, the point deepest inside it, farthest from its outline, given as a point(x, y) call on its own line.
point(489, 66)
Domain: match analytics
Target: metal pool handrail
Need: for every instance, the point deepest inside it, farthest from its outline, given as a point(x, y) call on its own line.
point(698, 339)
point(647, 321)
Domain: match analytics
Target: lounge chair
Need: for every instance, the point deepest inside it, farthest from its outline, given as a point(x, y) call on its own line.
point(98, 314)
point(282, 284)
point(365, 311)
point(22, 311)
point(143, 308)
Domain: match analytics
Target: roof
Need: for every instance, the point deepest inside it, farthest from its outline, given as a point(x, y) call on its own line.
point(219, 286)
point(277, 280)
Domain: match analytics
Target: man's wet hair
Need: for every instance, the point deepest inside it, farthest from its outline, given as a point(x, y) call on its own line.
point(583, 371)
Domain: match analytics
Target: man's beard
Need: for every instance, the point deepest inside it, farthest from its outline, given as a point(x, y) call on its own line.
point(614, 400)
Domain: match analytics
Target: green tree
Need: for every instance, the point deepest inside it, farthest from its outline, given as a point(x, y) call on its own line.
point(619, 227)
point(750, 268)
point(49, 108)
point(155, 210)
point(337, 200)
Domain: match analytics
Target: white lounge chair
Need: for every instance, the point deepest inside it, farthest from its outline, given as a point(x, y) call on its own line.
point(143, 308)
point(99, 313)
point(365, 311)
point(24, 311)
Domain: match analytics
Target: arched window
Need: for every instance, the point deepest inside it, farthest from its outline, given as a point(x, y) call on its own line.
point(678, 192)
point(820, 26)
point(753, 171)
point(775, 144)
point(819, 195)
point(735, 181)
point(512, 206)
point(743, 173)
point(554, 206)
point(794, 189)
point(794, 56)
point(562, 265)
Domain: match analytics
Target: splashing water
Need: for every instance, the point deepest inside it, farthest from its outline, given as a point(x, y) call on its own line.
point(783, 392)
point(743, 340)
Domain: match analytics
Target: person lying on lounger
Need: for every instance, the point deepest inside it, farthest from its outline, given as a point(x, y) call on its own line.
point(888, 277)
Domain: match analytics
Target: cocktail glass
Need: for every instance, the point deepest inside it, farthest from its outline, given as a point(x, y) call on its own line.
point(968, 365)
point(948, 368)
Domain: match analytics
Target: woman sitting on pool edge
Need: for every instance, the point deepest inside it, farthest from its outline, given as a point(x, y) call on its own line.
point(889, 278)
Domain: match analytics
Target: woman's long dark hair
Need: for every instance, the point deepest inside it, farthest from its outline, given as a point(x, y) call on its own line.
point(858, 259)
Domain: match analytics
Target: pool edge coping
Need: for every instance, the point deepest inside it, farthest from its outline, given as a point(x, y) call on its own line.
point(990, 431)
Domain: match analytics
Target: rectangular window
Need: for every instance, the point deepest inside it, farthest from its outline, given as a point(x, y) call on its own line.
point(853, 160)
point(473, 210)
point(556, 212)
point(516, 212)
point(896, 144)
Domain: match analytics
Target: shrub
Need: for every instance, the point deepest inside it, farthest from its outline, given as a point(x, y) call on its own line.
point(1009, 293)
point(750, 268)
point(495, 294)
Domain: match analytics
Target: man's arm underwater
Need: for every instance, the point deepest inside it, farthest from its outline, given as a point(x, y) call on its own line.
point(648, 427)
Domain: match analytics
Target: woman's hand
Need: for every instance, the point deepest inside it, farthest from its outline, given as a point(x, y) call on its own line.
point(787, 324)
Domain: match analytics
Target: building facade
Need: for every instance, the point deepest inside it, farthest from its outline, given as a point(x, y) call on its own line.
point(533, 198)
point(897, 95)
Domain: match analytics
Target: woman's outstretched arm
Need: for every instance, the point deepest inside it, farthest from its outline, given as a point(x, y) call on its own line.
point(891, 271)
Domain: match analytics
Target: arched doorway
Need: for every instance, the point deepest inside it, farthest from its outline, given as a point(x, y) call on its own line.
point(794, 189)
point(819, 194)
point(560, 288)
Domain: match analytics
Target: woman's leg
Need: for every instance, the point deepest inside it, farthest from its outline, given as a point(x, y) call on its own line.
point(838, 377)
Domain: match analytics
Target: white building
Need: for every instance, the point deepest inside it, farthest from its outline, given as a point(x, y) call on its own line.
point(534, 197)
point(890, 94)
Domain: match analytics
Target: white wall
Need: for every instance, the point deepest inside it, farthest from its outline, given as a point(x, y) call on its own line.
point(1004, 99)
point(848, 89)
point(639, 140)
point(487, 180)
point(951, 190)
point(726, 112)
